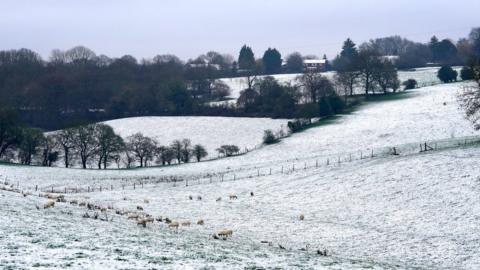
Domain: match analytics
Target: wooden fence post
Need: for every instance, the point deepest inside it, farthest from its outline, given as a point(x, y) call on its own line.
point(134, 186)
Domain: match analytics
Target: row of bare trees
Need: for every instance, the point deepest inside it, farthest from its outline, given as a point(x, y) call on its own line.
point(87, 145)
point(99, 143)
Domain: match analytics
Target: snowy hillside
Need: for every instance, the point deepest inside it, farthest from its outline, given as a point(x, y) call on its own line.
point(412, 211)
point(211, 132)
point(424, 77)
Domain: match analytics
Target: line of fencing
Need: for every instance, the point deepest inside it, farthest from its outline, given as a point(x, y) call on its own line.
point(283, 168)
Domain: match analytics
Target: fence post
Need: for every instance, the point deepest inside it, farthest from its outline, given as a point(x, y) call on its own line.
point(36, 187)
point(52, 189)
point(372, 153)
point(210, 179)
point(361, 155)
point(234, 177)
point(316, 163)
point(65, 190)
point(186, 182)
point(282, 170)
point(88, 188)
point(258, 173)
point(100, 188)
point(270, 171)
point(328, 161)
point(111, 187)
point(305, 166)
point(134, 186)
point(222, 177)
point(350, 157)
point(293, 167)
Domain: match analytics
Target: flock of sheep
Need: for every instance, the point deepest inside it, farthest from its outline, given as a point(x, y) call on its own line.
point(139, 216)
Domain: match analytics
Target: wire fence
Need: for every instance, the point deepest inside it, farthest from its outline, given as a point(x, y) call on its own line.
point(282, 168)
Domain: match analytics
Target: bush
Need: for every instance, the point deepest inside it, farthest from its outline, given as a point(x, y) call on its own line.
point(228, 150)
point(298, 124)
point(467, 74)
point(269, 137)
point(446, 74)
point(410, 84)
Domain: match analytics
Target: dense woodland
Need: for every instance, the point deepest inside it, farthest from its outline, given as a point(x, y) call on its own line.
point(77, 87)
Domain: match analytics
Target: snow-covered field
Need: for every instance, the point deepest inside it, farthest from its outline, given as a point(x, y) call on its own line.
point(424, 77)
point(211, 132)
point(413, 211)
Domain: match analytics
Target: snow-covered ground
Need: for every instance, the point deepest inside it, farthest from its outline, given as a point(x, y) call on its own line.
point(413, 211)
point(211, 132)
point(424, 77)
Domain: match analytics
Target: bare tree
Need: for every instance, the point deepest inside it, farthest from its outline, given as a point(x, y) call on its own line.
point(199, 152)
point(85, 142)
point(164, 155)
point(470, 100)
point(386, 76)
point(49, 154)
point(347, 81)
point(228, 150)
point(314, 86)
point(368, 62)
point(186, 150)
point(109, 144)
point(79, 55)
point(176, 147)
point(31, 140)
point(64, 139)
point(142, 147)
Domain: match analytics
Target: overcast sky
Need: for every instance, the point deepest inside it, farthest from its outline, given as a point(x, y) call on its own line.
point(187, 28)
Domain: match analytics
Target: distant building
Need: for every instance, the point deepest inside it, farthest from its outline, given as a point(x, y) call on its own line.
point(203, 63)
point(391, 58)
point(315, 65)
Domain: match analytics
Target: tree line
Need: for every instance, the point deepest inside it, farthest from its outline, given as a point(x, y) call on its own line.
point(93, 145)
point(78, 86)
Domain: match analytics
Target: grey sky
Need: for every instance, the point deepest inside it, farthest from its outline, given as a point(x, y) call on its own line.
point(188, 28)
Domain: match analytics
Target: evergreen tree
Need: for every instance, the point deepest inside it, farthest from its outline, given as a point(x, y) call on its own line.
point(349, 49)
point(246, 59)
point(272, 61)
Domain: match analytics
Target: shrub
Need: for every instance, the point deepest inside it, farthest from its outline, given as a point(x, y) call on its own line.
point(298, 124)
point(446, 74)
point(228, 150)
point(410, 84)
point(269, 137)
point(467, 74)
